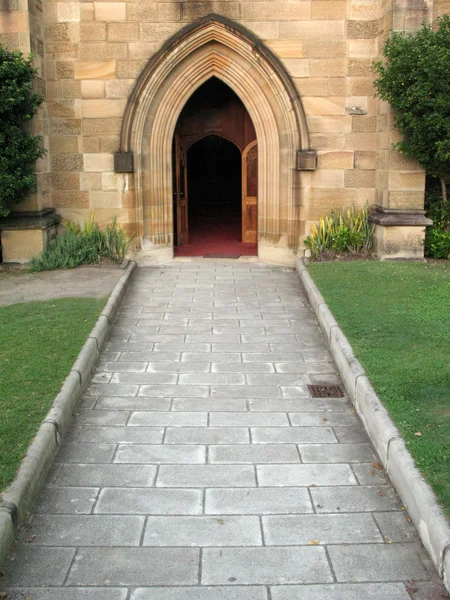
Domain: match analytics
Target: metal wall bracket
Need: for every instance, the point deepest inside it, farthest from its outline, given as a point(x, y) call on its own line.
point(306, 160)
point(123, 162)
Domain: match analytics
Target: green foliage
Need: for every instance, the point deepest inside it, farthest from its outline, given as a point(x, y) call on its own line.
point(342, 231)
point(415, 79)
point(19, 150)
point(396, 317)
point(437, 237)
point(39, 342)
point(81, 246)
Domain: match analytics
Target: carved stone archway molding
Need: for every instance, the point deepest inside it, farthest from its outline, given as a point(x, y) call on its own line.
point(214, 47)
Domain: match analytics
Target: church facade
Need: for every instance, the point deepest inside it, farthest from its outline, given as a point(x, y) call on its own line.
point(246, 119)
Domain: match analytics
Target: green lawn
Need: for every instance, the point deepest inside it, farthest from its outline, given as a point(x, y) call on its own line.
point(397, 318)
point(39, 342)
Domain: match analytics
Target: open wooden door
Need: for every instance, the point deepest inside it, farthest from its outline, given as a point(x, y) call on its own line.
point(180, 193)
point(250, 193)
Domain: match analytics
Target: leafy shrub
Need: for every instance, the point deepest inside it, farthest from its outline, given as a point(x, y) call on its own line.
point(437, 237)
point(437, 243)
point(19, 150)
point(81, 246)
point(342, 231)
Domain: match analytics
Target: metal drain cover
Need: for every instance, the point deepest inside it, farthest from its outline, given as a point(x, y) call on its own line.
point(326, 391)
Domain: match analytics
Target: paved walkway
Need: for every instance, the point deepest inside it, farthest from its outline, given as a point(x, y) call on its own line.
point(199, 468)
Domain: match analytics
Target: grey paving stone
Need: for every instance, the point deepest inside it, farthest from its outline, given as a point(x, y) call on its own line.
point(101, 377)
point(254, 453)
point(305, 368)
point(305, 475)
point(179, 367)
point(101, 475)
point(133, 403)
point(258, 501)
point(342, 453)
point(130, 567)
point(379, 562)
point(265, 566)
point(168, 419)
point(122, 367)
point(221, 347)
point(201, 593)
point(396, 526)
point(70, 501)
point(181, 347)
point(354, 591)
point(359, 499)
point(121, 435)
point(100, 417)
point(292, 435)
point(366, 474)
point(85, 453)
point(272, 357)
point(149, 501)
point(111, 389)
point(172, 391)
point(244, 391)
point(330, 419)
point(207, 435)
point(144, 378)
point(203, 531)
point(208, 404)
point(202, 357)
point(160, 454)
point(195, 476)
point(212, 379)
point(37, 566)
point(242, 368)
point(86, 530)
point(351, 435)
point(292, 530)
point(68, 594)
point(150, 356)
point(249, 419)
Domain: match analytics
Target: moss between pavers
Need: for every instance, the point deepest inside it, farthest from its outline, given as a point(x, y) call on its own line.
point(397, 318)
point(39, 342)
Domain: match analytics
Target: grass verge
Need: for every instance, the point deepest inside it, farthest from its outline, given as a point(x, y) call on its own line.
point(39, 341)
point(397, 318)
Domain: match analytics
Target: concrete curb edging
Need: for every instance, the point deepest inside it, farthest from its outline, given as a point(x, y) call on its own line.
point(18, 497)
point(416, 494)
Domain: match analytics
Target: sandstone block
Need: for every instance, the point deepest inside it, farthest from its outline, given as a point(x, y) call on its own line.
point(365, 160)
point(64, 70)
point(335, 160)
point(72, 88)
point(95, 69)
point(333, 105)
point(98, 162)
point(65, 180)
point(402, 162)
point(360, 68)
point(87, 11)
point(141, 50)
point(327, 141)
point(119, 89)
point(297, 67)
point(364, 123)
point(123, 32)
point(328, 67)
point(311, 29)
point(361, 141)
point(65, 126)
point(54, 90)
point(362, 29)
point(266, 30)
point(406, 180)
point(10, 41)
point(142, 11)
point(8, 5)
point(92, 30)
point(110, 11)
point(157, 31)
point(362, 86)
point(63, 108)
point(329, 124)
point(109, 143)
point(169, 11)
point(57, 32)
point(90, 181)
point(320, 200)
point(338, 86)
point(129, 68)
point(286, 48)
point(93, 88)
point(92, 109)
point(106, 199)
point(72, 199)
point(327, 178)
point(362, 48)
point(405, 199)
point(108, 126)
point(275, 11)
point(67, 162)
point(359, 178)
point(324, 48)
point(90, 144)
point(68, 11)
point(63, 144)
point(312, 86)
point(195, 10)
point(103, 50)
point(329, 9)
point(363, 10)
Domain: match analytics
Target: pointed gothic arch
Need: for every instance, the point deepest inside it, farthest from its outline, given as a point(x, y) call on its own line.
point(215, 47)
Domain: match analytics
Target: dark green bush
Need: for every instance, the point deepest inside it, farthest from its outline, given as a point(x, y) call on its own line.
point(437, 238)
point(19, 150)
point(83, 246)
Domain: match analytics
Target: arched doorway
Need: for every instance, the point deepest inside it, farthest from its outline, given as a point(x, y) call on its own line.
point(215, 175)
